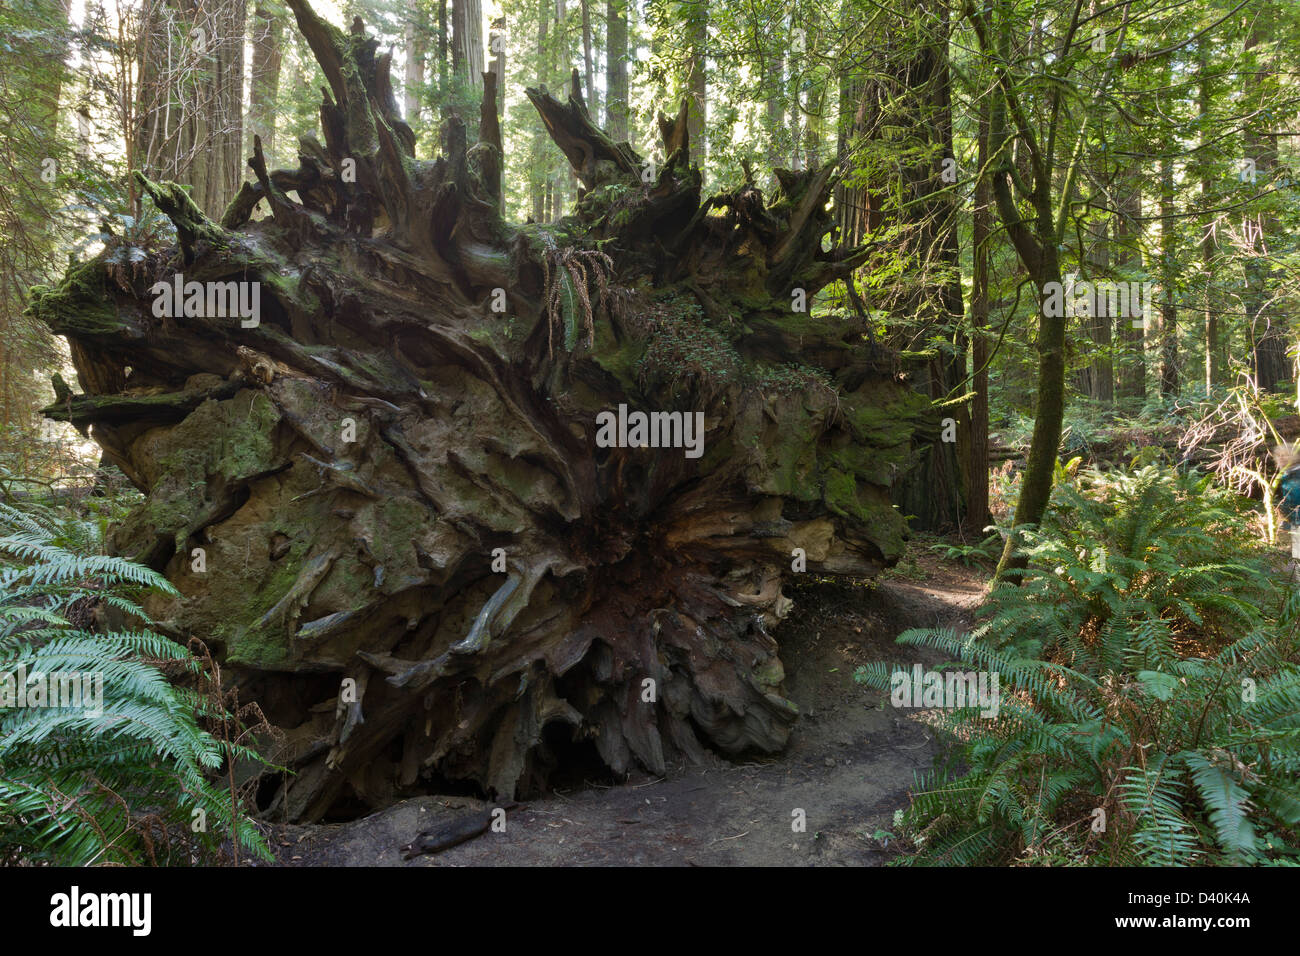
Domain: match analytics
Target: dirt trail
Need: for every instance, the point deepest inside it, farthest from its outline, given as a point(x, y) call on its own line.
point(849, 764)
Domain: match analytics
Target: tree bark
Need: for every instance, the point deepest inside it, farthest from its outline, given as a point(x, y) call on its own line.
point(1168, 280)
point(1216, 358)
point(1269, 362)
point(558, 67)
point(497, 45)
point(588, 65)
point(814, 84)
point(908, 100)
point(697, 85)
point(32, 79)
point(1035, 241)
point(978, 516)
point(539, 184)
point(616, 55)
point(425, 557)
point(774, 81)
point(417, 49)
point(1097, 377)
point(444, 57)
point(1130, 330)
point(467, 42)
point(267, 39)
point(191, 97)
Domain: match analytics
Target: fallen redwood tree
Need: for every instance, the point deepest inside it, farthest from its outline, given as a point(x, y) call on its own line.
point(383, 498)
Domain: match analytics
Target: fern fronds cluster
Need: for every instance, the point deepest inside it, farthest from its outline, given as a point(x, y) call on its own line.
point(1143, 564)
point(1150, 705)
point(126, 779)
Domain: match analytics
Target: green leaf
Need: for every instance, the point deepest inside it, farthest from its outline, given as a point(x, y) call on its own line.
point(1159, 685)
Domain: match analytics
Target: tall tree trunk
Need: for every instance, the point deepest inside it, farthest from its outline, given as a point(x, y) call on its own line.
point(848, 200)
point(559, 68)
point(1035, 241)
point(497, 44)
point(795, 65)
point(1215, 352)
point(814, 86)
point(1097, 377)
point(32, 80)
point(444, 60)
point(978, 516)
point(417, 50)
point(267, 41)
point(774, 82)
point(467, 42)
point(538, 168)
point(926, 300)
point(864, 91)
point(589, 68)
point(697, 87)
point(1268, 334)
point(191, 98)
point(1168, 278)
point(1130, 330)
point(616, 56)
point(48, 51)
point(943, 209)
point(216, 135)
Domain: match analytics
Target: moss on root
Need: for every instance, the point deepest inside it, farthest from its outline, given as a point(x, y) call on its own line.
point(78, 305)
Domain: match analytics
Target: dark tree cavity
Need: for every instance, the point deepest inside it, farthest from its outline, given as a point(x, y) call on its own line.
point(468, 359)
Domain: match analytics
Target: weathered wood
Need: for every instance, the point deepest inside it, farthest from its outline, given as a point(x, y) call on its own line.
point(419, 557)
point(450, 833)
point(160, 408)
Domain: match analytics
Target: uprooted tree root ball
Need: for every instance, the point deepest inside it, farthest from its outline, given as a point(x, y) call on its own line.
point(382, 498)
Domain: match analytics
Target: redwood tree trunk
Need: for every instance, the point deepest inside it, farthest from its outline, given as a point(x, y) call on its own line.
point(908, 106)
point(1216, 358)
point(1097, 376)
point(1168, 277)
point(417, 48)
point(467, 41)
point(697, 80)
point(616, 53)
point(191, 92)
point(422, 557)
point(978, 515)
point(267, 39)
point(1130, 331)
point(1269, 363)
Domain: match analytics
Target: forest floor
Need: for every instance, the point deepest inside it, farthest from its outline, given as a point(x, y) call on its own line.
point(849, 764)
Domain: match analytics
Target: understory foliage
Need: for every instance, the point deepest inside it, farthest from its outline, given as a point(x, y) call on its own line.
point(127, 782)
point(1149, 695)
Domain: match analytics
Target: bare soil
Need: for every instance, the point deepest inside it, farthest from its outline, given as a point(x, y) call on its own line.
point(849, 765)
